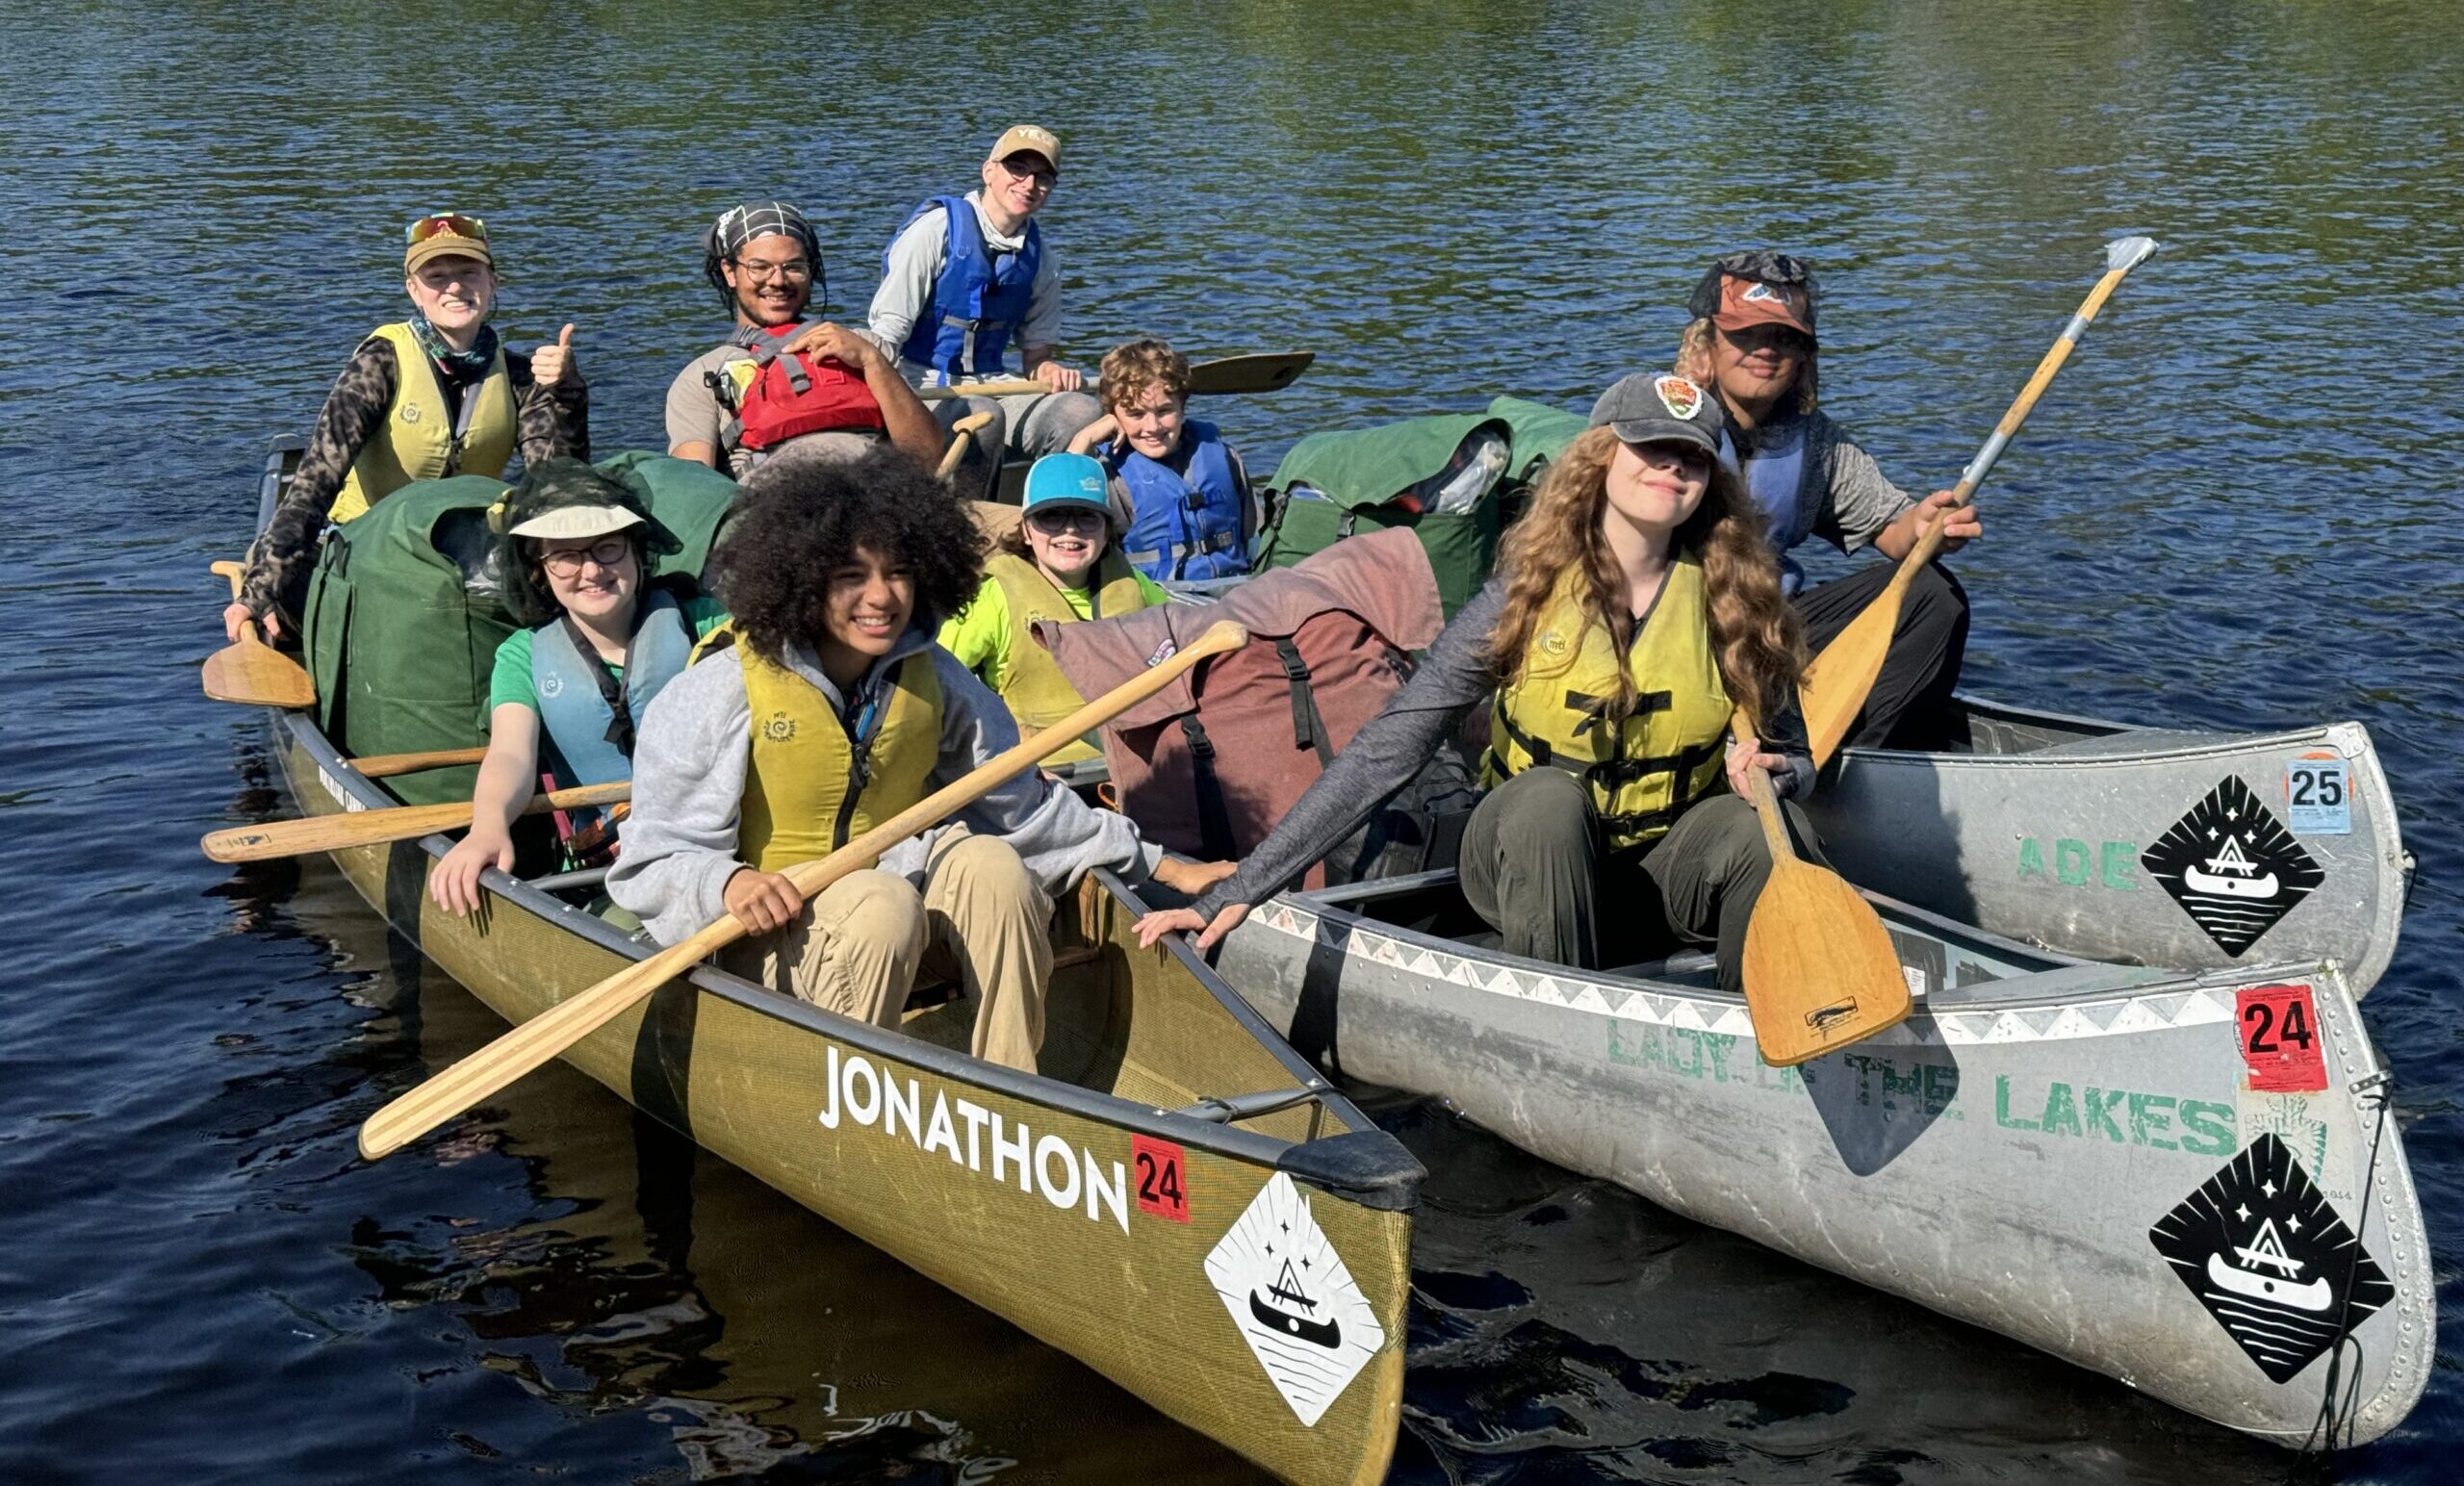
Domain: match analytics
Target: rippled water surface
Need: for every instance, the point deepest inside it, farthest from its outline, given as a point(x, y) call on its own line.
point(2237, 509)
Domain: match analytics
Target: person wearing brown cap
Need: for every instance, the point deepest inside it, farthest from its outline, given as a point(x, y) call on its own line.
point(569, 690)
point(424, 398)
point(967, 276)
point(1634, 608)
point(1752, 340)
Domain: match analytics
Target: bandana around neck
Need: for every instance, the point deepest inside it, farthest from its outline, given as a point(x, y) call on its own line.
point(461, 365)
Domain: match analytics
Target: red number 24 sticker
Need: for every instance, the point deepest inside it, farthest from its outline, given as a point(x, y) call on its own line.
point(1163, 1179)
point(2279, 1036)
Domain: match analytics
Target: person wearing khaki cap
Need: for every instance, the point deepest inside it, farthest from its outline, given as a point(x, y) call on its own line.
point(1752, 341)
point(424, 397)
point(967, 276)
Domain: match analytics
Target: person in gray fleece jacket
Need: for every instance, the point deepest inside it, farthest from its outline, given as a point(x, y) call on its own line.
point(836, 576)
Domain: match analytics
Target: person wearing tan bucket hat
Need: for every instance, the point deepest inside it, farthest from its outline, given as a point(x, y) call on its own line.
point(1752, 341)
point(967, 276)
point(424, 397)
point(568, 691)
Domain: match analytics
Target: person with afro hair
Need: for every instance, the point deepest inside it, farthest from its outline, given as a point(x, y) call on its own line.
point(824, 707)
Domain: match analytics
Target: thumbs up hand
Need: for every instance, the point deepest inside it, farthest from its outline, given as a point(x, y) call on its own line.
point(550, 364)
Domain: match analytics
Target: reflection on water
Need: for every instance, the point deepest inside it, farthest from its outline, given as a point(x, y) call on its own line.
point(2235, 509)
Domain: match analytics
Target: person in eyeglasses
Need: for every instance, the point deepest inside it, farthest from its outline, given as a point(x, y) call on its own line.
point(1060, 564)
point(777, 381)
point(1188, 494)
point(1752, 341)
point(570, 690)
point(965, 277)
point(424, 398)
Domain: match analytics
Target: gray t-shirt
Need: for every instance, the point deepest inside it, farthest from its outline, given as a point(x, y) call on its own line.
point(1849, 502)
point(914, 267)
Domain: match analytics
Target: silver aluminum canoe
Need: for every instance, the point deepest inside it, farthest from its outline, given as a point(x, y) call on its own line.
point(2021, 1154)
point(2044, 828)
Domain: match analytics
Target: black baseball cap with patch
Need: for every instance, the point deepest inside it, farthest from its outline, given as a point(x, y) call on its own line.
point(1660, 407)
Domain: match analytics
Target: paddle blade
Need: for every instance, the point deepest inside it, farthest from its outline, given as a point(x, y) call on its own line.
point(257, 675)
point(1259, 371)
point(2124, 254)
point(1841, 677)
point(1819, 968)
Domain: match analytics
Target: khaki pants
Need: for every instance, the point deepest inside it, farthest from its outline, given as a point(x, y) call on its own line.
point(982, 918)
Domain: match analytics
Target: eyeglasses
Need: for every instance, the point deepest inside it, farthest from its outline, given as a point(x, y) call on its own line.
point(1069, 518)
point(794, 271)
point(1039, 173)
point(444, 224)
point(607, 551)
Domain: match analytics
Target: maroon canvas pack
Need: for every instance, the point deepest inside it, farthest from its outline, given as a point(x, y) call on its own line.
point(1209, 764)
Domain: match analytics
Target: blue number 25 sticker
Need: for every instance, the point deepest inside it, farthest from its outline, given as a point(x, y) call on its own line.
point(2318, 795)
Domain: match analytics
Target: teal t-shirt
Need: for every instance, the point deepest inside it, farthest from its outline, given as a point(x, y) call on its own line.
point(511, 680)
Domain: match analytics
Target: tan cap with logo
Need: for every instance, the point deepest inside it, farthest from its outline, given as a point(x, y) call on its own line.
point(1029, 138)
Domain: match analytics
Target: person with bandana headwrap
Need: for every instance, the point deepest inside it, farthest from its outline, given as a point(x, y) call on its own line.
point(569, 690)
point(764, 260)
point(433, 395)
point(1751, 342)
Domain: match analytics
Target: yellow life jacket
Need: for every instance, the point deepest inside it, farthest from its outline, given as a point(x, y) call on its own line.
point(417, 441)
point(812, 787)
point(1038, 694)
point(1662, 759)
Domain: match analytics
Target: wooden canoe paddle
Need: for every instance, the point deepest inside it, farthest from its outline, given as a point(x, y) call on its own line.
point(1820, 971)
point(377, 766)
point(526, 1047)
point(1257, 371)
point(252, 672)
point(960, 434)
point(371, 828)
point(1840, 678)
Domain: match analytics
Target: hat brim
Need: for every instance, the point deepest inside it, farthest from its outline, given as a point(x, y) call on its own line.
point(421, 253)
point(1762, 312)
point(571, 522)
point(1664, 430)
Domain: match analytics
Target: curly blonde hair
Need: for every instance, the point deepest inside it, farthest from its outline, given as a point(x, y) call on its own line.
point(1694, 363)
point(1132, 368)
point(1755, 636)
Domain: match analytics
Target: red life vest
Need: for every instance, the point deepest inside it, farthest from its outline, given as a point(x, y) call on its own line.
point(789, 395)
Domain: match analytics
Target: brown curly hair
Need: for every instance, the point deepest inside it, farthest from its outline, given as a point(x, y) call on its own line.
point(800, 520)
point(1755, 634)
point(1132, 368)
point(1694, 363)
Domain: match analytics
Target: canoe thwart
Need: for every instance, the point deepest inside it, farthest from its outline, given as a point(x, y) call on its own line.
point(1224, 1110)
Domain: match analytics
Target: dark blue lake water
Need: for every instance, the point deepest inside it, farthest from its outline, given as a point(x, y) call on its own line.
point(2239, 507)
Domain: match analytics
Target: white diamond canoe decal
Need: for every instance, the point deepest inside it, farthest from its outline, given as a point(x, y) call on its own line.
point(1294, 1302)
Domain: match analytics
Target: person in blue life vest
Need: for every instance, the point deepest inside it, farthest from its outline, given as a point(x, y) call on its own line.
point(729, 409)
point(569, 691)
point(966, 277)
point(1752, 341)
point(822, 709)
point(424, 398)
point(1061, 564)
point(1634, 609)
point(1187, 494)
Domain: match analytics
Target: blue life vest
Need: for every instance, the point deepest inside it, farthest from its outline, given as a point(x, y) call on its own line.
point(574, 719)
point(1774, 477)
point(1183, 526)
point(980, 297)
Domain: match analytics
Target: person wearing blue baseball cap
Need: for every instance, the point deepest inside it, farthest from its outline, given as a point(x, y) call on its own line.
point(1062, 564)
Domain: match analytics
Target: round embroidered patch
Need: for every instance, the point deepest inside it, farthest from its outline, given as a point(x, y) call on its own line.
point(780, 729)
point(553, 686)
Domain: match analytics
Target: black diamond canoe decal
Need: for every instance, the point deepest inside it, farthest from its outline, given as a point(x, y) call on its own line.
point(2232, 866)
point(2271, 1260)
